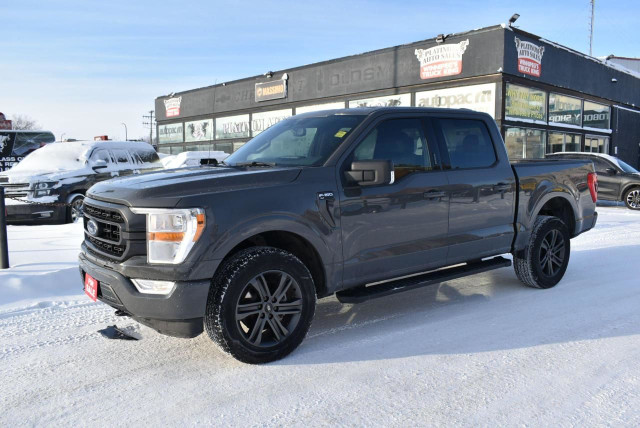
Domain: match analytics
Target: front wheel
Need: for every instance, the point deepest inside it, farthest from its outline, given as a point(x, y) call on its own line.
point(260, 305)
point(74, 210)
point(632, 198)
point(544, 260)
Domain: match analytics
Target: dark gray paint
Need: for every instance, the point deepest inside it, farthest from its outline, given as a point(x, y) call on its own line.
point(379, 232)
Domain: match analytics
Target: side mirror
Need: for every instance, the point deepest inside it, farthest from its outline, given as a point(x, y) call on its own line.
point(99, 164)
point(370, 172)
point(611, 171)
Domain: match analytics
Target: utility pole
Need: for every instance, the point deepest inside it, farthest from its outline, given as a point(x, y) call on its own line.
point(593, 15)
point(126, 134)
point(149, 120)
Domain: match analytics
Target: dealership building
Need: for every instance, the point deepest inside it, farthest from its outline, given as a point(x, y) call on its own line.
point(544, 97)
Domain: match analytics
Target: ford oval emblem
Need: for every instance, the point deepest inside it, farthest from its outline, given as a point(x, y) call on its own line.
point(92, 228)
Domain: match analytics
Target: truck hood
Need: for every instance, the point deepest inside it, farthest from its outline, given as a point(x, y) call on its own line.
point(166, 188)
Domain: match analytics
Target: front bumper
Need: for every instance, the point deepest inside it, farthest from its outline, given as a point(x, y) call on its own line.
point(35, 214)
point(177, 314)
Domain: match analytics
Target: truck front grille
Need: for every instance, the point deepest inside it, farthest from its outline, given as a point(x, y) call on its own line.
point(103, 214)
point(16, 190)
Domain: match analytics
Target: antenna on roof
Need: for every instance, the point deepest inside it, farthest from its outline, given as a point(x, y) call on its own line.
point(593, 15)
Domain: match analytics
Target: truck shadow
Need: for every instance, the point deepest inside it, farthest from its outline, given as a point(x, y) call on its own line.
point(487, 312)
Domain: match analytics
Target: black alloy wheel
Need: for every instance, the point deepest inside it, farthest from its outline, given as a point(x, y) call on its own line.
point(269, 308)
point(632, 199)
point(552, 253)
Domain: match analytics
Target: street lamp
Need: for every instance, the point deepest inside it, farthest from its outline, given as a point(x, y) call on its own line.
point(126, 137)
point(62, 136)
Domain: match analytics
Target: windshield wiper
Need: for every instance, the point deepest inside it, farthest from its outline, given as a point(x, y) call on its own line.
point(255, 163)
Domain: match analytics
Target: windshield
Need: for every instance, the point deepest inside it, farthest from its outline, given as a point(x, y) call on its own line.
point(54, 157)
point(626, 167)
point(297, 141)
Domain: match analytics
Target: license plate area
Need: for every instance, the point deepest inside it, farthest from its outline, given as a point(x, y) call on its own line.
point(91, 287)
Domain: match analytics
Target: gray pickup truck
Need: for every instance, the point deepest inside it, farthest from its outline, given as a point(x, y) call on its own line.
point(360, 203)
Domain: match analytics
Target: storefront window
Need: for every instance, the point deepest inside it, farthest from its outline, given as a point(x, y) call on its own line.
point(232, 127)
point(263, 120)
point(199, 147)
point(596, 115)
point(198, 130)
point(319, 107)
point(171, 133)
point(564, 109)
point(563, 142)
point(476, 97)
point(225, 147)
point(525, 103)
point(524, 143)
point(596, 144)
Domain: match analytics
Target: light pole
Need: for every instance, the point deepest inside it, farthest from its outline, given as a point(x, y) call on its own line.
point(61, 136)
point(126, 137)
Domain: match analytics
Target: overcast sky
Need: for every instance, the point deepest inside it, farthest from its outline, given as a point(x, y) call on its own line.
point(83, 67)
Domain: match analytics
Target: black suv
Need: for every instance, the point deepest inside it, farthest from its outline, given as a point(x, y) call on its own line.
point(617, 180)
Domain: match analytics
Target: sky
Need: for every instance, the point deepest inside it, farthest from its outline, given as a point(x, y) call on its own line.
point(82, 68)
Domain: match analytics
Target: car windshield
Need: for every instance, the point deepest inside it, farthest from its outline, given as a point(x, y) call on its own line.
point(297, 141)
point(626, 167)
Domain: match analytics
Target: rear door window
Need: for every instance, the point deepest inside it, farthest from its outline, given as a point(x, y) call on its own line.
point(122, 157)
point(468, 143)
point(101, 155)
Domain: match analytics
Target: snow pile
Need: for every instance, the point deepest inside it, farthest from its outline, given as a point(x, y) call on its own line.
point(478, 351)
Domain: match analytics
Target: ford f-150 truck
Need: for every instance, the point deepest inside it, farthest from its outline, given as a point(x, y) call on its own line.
point(360, 203)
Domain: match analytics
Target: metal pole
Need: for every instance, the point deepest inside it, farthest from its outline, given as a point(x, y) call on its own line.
point(126, 135)
point(4, 249)
point(593, 12)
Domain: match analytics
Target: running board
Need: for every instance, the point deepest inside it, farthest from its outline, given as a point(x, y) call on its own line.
point(364, 293)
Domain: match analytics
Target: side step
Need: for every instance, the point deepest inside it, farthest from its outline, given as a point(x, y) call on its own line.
point(364, 293)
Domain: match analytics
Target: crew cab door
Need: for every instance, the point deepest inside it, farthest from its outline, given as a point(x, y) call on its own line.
point(608, 178)
point(398, 228)
point(481, 187)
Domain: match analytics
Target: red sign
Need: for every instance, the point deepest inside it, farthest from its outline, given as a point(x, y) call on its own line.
point(172, 106)
point(441, 60)
point(91, 287)
point(529, 57)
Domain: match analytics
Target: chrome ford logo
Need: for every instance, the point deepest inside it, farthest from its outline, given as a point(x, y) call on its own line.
point(92, 227)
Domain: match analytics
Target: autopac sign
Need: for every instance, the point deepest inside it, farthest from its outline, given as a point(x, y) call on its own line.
point(529, 57)
point(441, 60)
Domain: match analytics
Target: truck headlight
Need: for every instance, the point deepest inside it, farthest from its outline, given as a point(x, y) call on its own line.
point(42, 188)
point(171, 233)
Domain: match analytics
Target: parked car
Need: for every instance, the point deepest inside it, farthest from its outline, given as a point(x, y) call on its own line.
point(360, 203)
point(186, 159)
point(617, 181)
point(16, 144)
point(49, 185)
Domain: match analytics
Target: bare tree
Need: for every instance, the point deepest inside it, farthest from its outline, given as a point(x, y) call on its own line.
point(20, 121)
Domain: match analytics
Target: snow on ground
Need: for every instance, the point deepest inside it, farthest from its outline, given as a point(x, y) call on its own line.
point(482, 350)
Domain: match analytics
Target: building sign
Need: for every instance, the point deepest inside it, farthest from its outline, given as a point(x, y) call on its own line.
point(401, 100)
point(529, 57)
point(172, 106)
point(596, 115)
point(564, 109)
point(4, 123)
point(232, 127)
point(476, 97)
point(172, 133)
point(525, 104)
point(199, 130)
point(441, 60)
point(319, 107)
point(273, 90)
point(262, 121)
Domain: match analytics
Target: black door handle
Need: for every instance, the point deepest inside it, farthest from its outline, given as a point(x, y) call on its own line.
point(434, 194)
point(501, 187)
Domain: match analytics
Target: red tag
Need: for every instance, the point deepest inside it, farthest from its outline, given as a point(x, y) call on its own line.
point(91, 287)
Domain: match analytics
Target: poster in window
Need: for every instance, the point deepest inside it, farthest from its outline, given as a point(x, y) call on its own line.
point(232, 127)
point(475, 97)
point(528, 104)
point(565, 109)
point(171, 133)
point(596, 115)
point(401, 100)
point(263, 120)
point(198, 130)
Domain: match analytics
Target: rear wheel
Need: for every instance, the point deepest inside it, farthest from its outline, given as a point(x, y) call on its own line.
point(261, 305)
point(632, 198)
point(544, 261)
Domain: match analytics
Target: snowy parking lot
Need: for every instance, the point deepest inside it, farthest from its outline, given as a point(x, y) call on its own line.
point(482, 350)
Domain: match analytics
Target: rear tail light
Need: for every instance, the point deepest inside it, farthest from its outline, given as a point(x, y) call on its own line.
point(592, 180)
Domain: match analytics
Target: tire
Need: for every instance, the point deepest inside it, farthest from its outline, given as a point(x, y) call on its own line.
point(242, 316)
point(74, 212)
point(632, 198)
point(535, 266)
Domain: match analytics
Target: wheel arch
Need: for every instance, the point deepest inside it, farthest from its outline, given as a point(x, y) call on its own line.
point(628, 187)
